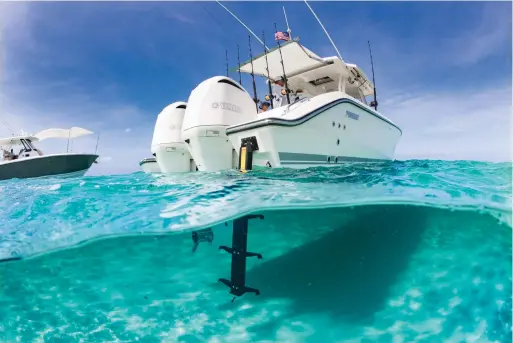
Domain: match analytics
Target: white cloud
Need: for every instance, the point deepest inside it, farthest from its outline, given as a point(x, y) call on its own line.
point(459, 125)
point(33, 106)
point(13, 22)
point(489, 35)
point(422, 51)
point(181, 17)
point(12, 16)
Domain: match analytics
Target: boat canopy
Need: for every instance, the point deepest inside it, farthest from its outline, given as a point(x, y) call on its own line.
point(71, 133)
point(296, 58)
point(306, 69)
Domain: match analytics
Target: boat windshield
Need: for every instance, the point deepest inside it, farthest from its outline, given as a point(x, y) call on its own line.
point(31, 146)
point(27, 145)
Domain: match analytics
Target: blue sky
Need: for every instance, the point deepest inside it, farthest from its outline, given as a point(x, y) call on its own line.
point(443, 69)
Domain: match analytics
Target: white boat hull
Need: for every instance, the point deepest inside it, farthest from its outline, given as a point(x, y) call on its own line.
point(173, 157)
point(324, 132)
point(67, 165)
point(150, 165)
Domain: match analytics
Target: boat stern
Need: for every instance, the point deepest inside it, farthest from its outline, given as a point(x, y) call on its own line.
point(262, 143)
point(327, 130)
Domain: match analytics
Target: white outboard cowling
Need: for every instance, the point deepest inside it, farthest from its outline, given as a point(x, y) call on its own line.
point(213, 105)
point(167, 145)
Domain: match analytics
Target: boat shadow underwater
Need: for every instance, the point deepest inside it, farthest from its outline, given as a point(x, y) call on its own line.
point(346, 273)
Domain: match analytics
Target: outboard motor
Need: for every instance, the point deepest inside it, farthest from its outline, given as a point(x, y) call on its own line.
point(213, 105)
point(167, 145)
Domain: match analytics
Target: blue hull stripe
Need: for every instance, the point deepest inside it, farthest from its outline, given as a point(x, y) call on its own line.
point(298, 158)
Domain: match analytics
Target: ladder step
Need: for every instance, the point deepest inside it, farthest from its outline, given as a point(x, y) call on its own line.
point(237, 283)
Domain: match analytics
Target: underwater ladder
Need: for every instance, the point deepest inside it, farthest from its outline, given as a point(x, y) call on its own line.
point(239, 252)
point(237, 283)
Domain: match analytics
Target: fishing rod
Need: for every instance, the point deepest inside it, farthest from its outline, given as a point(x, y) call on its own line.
point(238, 61)
point(287, 21)
point(8, 126)
point(325, 31)
point(97, 140)
point(329, 37)
point(255, 97)
point(240, 21)
point(283, 67)
point(268, 75)
point(227, 74)
point(375, 102)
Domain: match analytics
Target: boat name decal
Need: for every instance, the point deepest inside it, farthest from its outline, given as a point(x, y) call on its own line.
point(352, 115)
point(226, 106)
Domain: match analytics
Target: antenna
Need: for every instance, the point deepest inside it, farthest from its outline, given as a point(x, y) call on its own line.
point(6, 124)
point(326, 32)
point(268, 75)
point(375, 102)
point(283, 66)
point(238, 61)
point(97, 140)
point(67, 145)
point(255, 98)
point(227, 75)
point(247, 28)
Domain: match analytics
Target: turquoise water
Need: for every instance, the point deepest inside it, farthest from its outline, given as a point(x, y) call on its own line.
point(416, 251)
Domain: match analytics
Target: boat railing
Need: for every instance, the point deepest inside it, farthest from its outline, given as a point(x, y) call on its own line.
point(296, 103)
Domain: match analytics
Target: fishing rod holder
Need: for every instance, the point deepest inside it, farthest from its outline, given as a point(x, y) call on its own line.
point(237, 282)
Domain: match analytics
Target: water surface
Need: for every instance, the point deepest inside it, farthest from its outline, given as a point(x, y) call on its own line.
point(416, 251)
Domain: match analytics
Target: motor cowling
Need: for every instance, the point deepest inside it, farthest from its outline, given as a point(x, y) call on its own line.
point(213, 105)
point(167, 144)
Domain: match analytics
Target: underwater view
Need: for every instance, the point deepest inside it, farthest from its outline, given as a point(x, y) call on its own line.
point(403, 251)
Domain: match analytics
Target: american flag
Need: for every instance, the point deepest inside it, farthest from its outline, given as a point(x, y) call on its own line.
point(281, 36)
